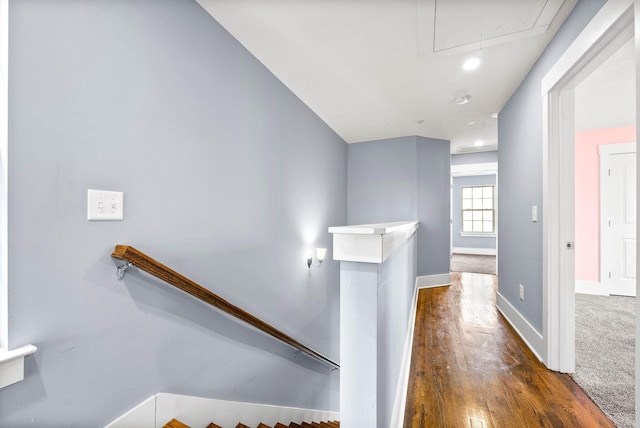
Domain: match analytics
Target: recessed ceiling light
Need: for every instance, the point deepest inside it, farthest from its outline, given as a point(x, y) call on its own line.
point(494, 115)
point(472, 63)
point(463, 100)
point(479, 143)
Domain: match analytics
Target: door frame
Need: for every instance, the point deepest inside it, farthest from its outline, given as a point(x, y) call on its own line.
point(474, 169)
point(608, 31)
point(4, 174)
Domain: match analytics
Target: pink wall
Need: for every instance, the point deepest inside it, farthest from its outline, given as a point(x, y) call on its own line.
point(588, 196)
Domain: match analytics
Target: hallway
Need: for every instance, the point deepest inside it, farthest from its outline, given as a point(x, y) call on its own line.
point(470, 369)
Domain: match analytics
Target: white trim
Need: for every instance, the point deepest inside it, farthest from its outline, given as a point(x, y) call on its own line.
point(591, 287)
point(617, 149)
point(376, 228)
point(370, 243)
point(486, 168)
point(478, 234)
point(4, 173)
point(526, 331)
point(608, 30)
point(636, 14)
point(397, 416)
point(582, 47)
point(451, 218)
point(476, 251)
point(550, 243)
point(566, 206)
point(143, 416)
point(159, 409)
point(12, 364)
point(429, 281)
point(477, 169)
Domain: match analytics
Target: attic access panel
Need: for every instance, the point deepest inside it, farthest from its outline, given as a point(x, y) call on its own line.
point(453, 26)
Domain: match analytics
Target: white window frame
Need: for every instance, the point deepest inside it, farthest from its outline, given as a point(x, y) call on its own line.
point(493, 212)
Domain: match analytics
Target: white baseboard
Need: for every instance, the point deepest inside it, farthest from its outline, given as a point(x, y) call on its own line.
point(429, 281)
point(156, 411)
point(397, 416)
point(476, 251)
point(143, 416)
point(526, 331)
point(591, 287)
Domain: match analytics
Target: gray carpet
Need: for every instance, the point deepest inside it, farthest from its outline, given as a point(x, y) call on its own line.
point(605, 354)
point(473, 263)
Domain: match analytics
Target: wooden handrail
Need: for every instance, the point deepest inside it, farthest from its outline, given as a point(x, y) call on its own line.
point(157, 269)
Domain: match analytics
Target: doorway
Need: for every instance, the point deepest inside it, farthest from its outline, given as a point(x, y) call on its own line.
point(605, 234)
point(607, 32)
point(474, 214)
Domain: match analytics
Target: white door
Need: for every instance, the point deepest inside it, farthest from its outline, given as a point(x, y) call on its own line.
point(618, 195)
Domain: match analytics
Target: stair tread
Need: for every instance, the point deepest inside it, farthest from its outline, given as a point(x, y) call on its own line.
point(174, 423)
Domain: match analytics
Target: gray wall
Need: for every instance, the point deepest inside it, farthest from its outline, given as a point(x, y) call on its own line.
point(434, 206)
point(520, 178)
point(469, 241)
point(228, 178)
point(382, 181)
point(401, 179)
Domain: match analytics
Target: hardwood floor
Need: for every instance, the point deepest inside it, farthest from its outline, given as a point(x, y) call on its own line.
point(473, 263)
point(470, 369)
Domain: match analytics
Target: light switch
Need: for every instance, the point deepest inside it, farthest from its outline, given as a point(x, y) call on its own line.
point(534, 213)
point(105, 205)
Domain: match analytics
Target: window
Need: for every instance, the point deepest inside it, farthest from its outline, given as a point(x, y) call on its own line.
point(477, 209)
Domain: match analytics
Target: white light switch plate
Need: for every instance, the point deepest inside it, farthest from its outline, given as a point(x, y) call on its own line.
point(534, 213)
point(105, 205)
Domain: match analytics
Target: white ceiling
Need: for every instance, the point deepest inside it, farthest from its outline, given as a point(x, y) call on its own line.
point(374, 69)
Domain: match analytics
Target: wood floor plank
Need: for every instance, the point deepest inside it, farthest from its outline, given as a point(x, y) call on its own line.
point(470, 369)
point(174, 423)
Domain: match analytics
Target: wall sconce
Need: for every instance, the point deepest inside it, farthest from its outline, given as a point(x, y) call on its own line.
point(320, 255)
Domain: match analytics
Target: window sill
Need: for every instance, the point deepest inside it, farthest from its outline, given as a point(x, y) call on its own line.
point(12, 364)
point(478, 235)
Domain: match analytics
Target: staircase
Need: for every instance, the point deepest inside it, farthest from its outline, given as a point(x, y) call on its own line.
point(174, 423)
point(197, 410)
point(184, 411)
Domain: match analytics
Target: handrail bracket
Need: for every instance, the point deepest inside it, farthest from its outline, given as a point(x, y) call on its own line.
point(121, 269)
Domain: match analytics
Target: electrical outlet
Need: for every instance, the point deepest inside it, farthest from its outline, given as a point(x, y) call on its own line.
point(521, 292)
point(105, 205)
